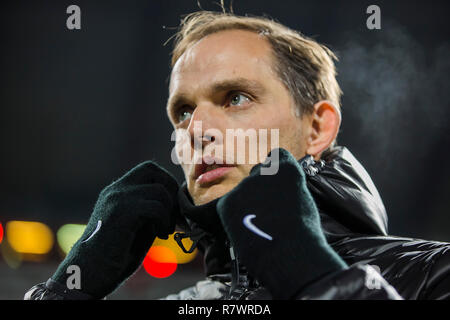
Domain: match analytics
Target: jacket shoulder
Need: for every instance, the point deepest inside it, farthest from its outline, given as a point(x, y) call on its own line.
point(416, 268)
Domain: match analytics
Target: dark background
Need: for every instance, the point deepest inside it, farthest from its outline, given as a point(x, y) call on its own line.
point(81, 107)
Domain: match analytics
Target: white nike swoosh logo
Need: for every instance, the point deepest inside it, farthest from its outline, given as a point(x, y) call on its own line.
point(99, 224)
point(253, 228)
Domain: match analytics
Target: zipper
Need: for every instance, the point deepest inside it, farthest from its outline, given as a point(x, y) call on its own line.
point(232, 295)
point(195, 236)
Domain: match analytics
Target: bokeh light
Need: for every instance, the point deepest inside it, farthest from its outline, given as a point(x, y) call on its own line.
point(164, 256)
point(68, 234)
point(170, 243)
point(29, 237)
point(1, 232)
point(12, 258)
point(160, 262)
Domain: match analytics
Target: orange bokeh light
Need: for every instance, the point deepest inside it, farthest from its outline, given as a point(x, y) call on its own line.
point(160, 262)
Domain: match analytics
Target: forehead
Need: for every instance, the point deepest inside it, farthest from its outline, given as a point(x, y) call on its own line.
point(221, 56)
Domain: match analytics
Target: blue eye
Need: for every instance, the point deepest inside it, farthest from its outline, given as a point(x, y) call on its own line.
point(238, 99)
point(184, 115)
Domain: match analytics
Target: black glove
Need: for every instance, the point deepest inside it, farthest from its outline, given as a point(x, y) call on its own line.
point(127, 217)
point(274, 226)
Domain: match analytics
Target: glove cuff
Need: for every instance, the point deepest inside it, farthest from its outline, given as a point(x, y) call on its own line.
point(65, 293)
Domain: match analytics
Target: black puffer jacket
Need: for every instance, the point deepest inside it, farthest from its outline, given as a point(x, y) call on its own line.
point(354, 221)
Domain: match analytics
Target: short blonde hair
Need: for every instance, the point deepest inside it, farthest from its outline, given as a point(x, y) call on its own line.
point(304, 66)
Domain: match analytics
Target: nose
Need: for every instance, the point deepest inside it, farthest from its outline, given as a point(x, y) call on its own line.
point(203, 126)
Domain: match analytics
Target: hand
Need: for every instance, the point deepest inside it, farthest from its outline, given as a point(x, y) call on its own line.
point(274, 225)
point(127, 217)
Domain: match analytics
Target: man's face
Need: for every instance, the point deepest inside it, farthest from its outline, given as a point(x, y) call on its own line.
point(227, 81)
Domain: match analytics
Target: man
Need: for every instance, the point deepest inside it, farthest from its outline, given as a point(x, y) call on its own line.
point(313, 228)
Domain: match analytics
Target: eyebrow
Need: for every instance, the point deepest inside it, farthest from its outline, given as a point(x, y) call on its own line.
point(251, 86)
point(238, 84)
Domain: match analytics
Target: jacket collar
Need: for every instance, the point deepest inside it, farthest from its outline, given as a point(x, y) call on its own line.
point(345, 195)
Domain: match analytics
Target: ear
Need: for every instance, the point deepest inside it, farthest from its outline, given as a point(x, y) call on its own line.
point(326, 120)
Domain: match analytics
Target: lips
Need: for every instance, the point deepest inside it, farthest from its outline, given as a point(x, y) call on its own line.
point(205, 173)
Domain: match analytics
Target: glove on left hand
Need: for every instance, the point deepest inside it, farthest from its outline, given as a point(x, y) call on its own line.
point(274, 225)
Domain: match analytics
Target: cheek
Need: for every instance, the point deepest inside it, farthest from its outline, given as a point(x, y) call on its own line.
point(181, 153)
point(275, 126)
point(294, 138)
point(292, 132)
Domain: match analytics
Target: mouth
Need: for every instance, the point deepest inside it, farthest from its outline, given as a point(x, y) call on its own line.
point(206, 173)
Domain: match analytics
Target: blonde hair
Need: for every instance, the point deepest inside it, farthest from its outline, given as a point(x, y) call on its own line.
point(304, 66)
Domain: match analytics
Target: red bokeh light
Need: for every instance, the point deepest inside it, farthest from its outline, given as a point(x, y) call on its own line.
point(1, 233)
point(160, 262)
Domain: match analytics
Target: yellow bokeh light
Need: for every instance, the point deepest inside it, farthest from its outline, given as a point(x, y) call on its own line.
point(29, 237)
point(68, 234)
point(173, 245)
